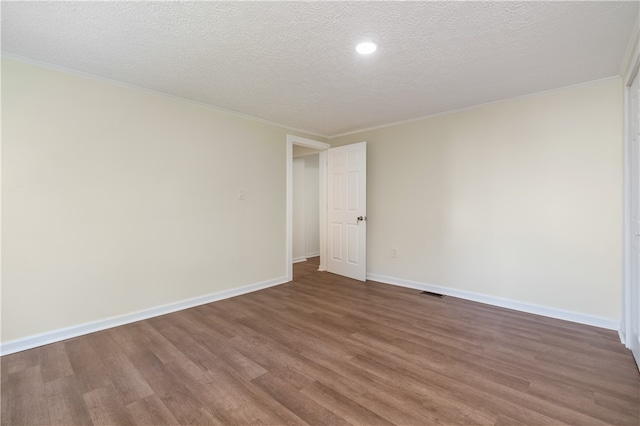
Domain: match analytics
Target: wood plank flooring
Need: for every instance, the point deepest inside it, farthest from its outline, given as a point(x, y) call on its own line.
point(329, 350)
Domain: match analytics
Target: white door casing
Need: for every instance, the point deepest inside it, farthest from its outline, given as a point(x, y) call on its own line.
point(633, 332)
point(347, 210)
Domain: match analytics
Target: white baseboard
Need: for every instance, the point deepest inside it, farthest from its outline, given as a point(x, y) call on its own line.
point(313, 254)
point(299, 259)
point(29, 342)
point(503, 303)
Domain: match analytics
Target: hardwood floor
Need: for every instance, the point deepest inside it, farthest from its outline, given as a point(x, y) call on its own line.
point(305, 268)
point(329, 350)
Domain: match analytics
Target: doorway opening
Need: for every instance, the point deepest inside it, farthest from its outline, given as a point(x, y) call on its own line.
point(306, 208)
point(304, 147)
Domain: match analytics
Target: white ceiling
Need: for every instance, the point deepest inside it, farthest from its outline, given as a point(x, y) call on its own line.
point(294, 63)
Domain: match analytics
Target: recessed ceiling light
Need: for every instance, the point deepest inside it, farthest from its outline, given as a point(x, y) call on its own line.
point(366, 48)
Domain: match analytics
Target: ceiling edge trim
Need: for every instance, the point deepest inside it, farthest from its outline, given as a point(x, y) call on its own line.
point(477, 106)
point(153, 92)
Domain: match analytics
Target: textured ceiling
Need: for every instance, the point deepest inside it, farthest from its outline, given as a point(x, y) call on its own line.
point(294, 63)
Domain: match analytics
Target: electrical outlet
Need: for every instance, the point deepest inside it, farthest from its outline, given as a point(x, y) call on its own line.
point(394, 253)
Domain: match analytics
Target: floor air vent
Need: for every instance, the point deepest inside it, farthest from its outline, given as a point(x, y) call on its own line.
point(428, 293)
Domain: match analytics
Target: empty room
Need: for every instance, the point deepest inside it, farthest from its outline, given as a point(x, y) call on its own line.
point(322, 213)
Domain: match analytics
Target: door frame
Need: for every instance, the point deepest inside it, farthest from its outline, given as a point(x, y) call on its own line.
point(322, 178)
point(632, 71)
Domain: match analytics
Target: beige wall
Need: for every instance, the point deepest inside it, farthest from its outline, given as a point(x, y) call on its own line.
point(299, 210)
point(312, 205)
point(116, 200)
point(520, 200)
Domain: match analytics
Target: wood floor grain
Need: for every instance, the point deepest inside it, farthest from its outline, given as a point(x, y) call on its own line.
point(327, 350)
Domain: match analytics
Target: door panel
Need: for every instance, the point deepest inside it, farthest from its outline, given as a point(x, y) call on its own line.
point(347, 176)
point(336, 242)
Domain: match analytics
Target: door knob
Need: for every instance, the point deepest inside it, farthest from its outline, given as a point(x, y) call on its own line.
point(361, 218)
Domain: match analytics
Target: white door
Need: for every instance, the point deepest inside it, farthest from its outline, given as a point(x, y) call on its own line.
point(634, 187)
point(347, 210)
